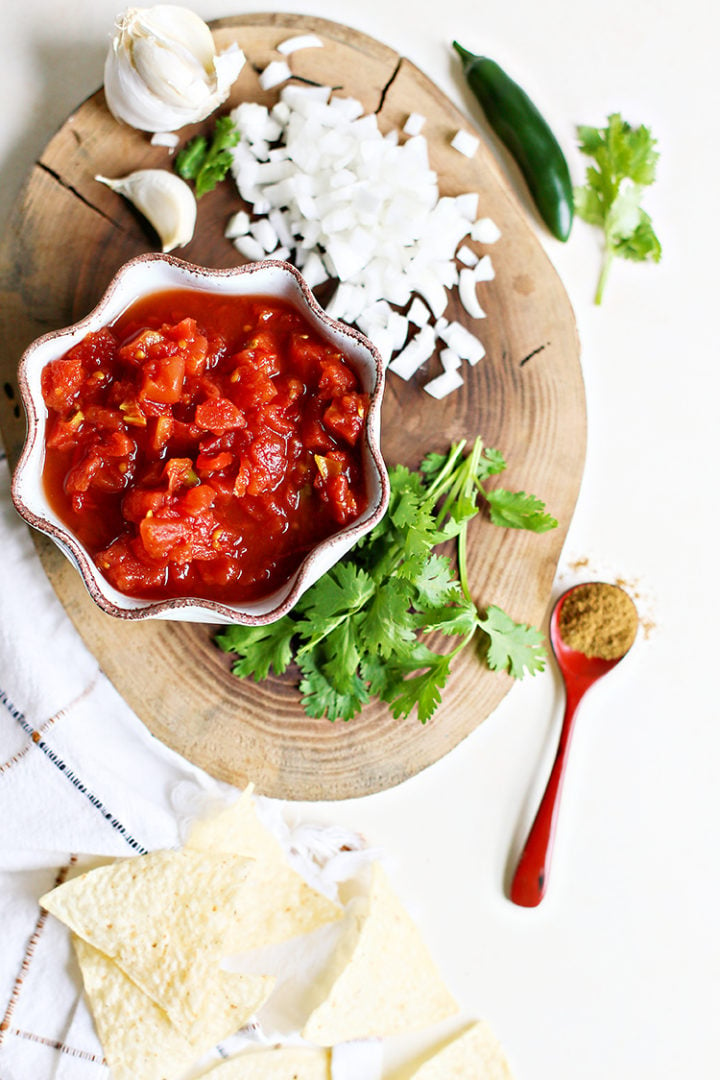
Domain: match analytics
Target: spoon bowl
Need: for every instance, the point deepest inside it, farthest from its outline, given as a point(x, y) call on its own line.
point(579, 671)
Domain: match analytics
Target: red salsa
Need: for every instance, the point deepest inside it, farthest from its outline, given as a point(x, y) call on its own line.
point(201, 445)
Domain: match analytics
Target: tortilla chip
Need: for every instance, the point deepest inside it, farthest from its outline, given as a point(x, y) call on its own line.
point(136, 1034)
point(236, 830)
point(164, 918)
point(472, 1054)
point(383, 981)
point(277, 902)
point(282, 1063)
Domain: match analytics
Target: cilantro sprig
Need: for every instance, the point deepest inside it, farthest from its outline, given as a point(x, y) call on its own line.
point(208, 163)
point(625, 162)
point(361, 631)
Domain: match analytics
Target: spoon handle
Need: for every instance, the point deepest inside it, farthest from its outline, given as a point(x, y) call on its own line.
point(531, 874)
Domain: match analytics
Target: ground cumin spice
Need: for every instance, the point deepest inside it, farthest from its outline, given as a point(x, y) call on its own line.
point(598, 620)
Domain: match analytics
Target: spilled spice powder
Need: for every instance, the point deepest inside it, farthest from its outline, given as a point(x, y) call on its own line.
point(598, 620)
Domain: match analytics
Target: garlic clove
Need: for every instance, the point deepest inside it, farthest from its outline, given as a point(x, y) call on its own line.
point(165, 200)
point(173, 25)
point(179, 79)
point(162, 70)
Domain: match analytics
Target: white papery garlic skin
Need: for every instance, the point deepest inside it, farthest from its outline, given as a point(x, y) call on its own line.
point(165, 200)
point(162, 70)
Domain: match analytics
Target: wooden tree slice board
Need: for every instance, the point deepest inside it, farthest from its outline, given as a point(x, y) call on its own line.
point(68, 236)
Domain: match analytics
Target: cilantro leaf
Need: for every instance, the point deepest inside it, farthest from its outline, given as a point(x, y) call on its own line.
point(421, 690)
point(625, 161)
point(388, 626)
point(190, 159)
point(511, 646)
point(436, 584)
point(260, 648)
point(516, 510)
point(207, 164)
point(321, 698)
point(341, 591)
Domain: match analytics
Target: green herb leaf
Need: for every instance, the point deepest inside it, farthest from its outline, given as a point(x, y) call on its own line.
point(207, 164)
point(511, 646)
point(516, 510)
point(625, 165)
point(260, 648)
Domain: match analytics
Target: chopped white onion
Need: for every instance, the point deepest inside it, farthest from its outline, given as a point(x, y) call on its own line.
point(484, 271)
point(249, 247)
point(467, 204)
point(238, 225)
point(467, 291)
point(418, 314)
point(466, 143)
point(275, 73)
point(414, 124)
point(450, 360)
point(485, 231)
point(314, 270)
point(461, 341)
point(416, 352)
point(264, 233)
point(302, 41)
point(467, 256)
point(165, 138)
point(444, 384)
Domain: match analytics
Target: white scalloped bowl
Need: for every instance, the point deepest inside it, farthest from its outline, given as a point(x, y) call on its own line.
point(140, 277)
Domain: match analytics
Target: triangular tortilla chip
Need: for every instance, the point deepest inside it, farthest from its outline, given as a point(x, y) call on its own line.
point(384, 981)
point(282, 1063)
point(236, 830)
point(472, 1054)
point(162, 917)
point(277, 903)
point(136, 1034)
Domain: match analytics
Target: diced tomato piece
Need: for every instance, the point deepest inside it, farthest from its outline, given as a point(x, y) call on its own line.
point(165, 538)
point(268, 461)
point(179, 473)
point(220, 571)
point(207, 463)
point(196, 499)
point(192, 344)
point(335, 377)
point(61, 380)
point(345, 416)
point(341, 500)
point(163, 380)
point(139, 502)
point(162, 429)
point(219, 415)
point(126, 571)
point(63, 434)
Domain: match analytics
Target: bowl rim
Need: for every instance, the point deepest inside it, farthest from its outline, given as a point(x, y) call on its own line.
point(306, 574)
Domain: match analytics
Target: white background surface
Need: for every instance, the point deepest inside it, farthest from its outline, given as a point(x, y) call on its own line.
point(617, 974)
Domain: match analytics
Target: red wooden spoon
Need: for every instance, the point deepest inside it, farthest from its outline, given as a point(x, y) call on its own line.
point(579, 673)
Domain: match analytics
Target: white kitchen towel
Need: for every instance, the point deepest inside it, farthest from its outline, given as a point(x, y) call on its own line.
point(79, 773)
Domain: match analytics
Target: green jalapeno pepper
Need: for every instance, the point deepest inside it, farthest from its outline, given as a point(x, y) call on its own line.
point(518, 124)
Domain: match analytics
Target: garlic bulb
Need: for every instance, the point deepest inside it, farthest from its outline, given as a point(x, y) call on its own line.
point(162, 70)
point(165, 200)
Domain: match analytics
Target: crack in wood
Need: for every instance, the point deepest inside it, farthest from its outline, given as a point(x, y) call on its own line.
point(73, 191)
point(533, 353)
point(388, 84)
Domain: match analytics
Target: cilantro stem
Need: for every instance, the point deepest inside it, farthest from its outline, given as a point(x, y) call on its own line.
point(604, 271)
